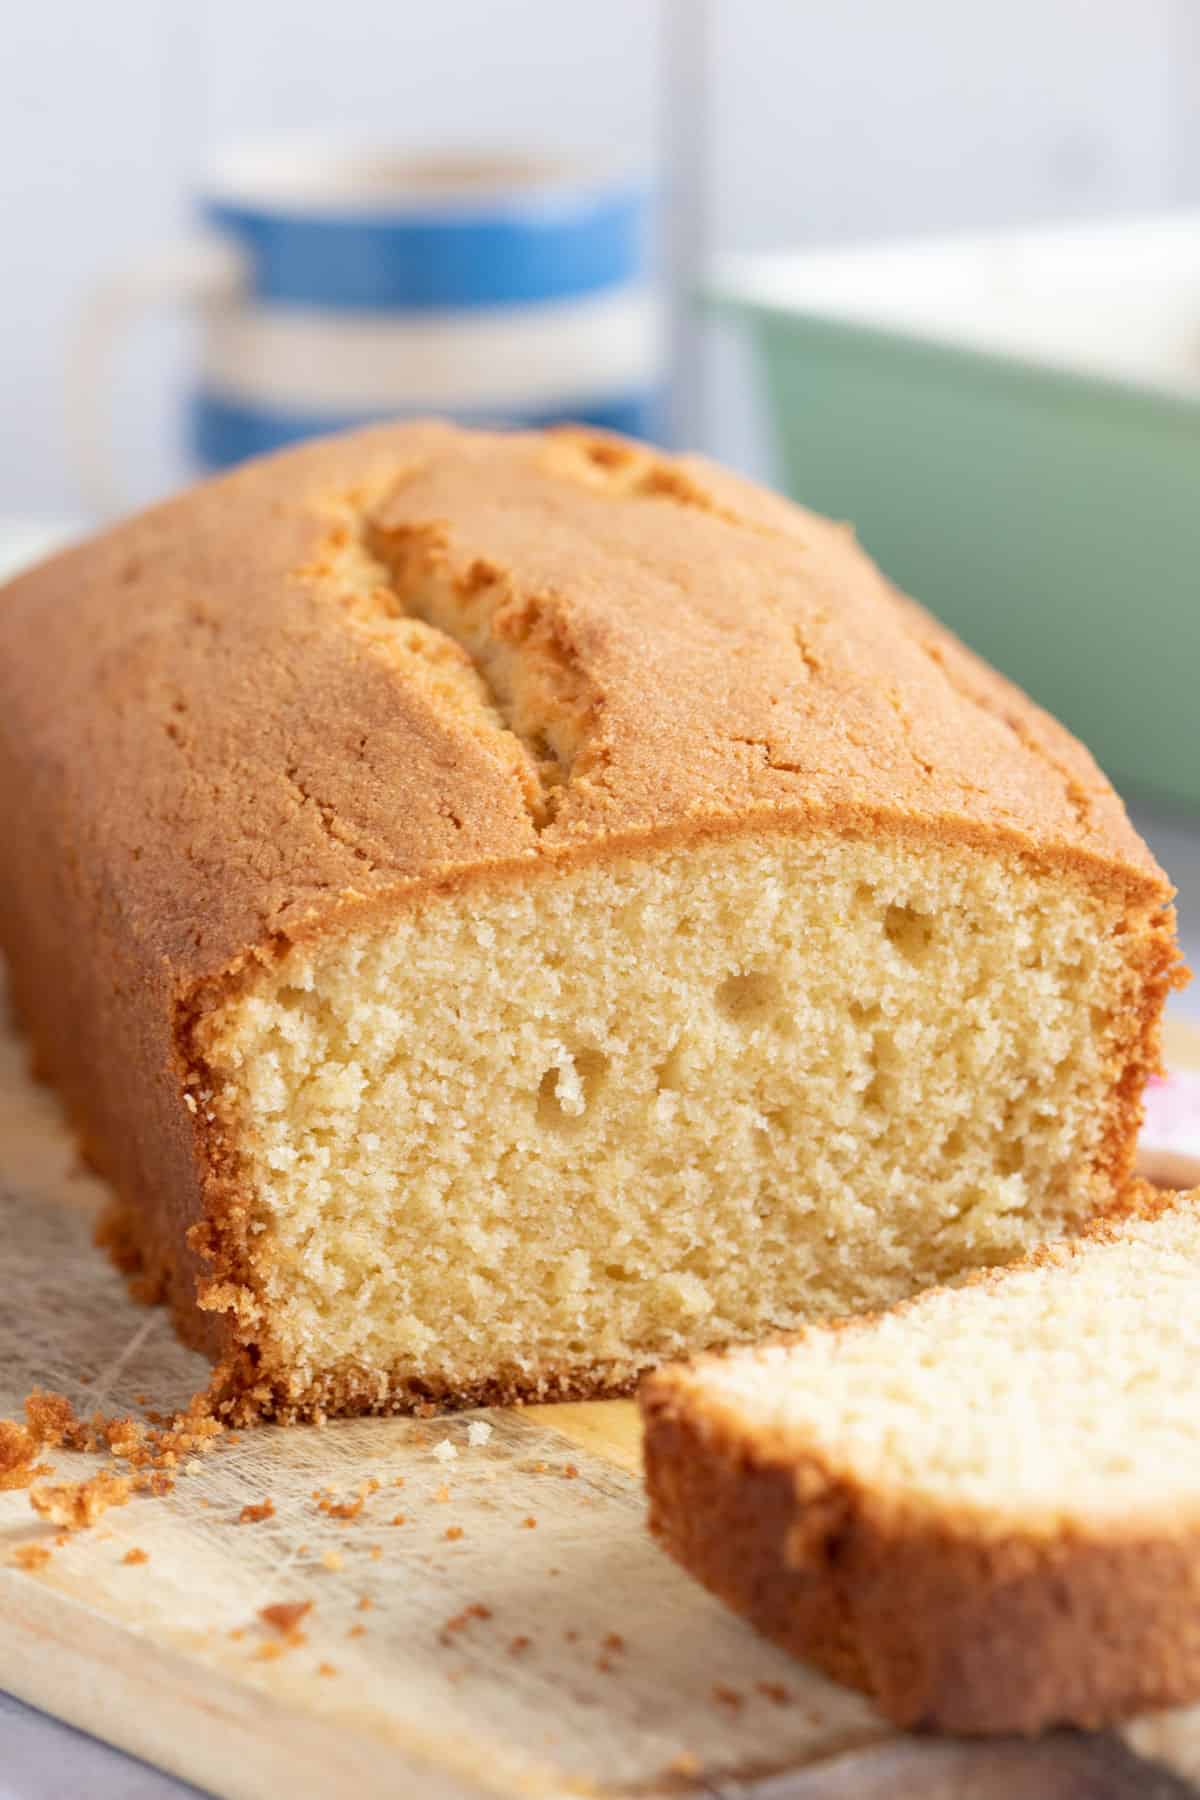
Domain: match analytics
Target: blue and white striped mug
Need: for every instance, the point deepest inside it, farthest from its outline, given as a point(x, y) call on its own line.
point(340, 284)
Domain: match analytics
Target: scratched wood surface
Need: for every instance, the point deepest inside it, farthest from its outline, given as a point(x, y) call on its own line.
point(592, 1666)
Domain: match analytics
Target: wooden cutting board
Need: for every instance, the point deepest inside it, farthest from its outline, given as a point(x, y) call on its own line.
point(495, 1619)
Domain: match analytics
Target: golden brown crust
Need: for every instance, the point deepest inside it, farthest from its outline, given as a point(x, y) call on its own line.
point(242, 1393)
point(948, 1625)
point(206, 754)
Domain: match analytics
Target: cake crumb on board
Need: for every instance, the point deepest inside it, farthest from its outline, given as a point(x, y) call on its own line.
point(18, 1454)
point(50, 1417)
point(78, 1504)
point(155, 1482)
point(29, 1557)
point(50, 1421)
point(341, 1509)
point(254, 1512)
point(459, 1621)
point(285, 1615)
point(151, 1450)
point(136, 1555)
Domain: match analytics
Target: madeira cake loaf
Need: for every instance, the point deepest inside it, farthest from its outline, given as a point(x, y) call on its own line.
point(506, 910)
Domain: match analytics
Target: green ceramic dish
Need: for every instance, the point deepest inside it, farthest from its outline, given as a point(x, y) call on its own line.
point(1051, 515)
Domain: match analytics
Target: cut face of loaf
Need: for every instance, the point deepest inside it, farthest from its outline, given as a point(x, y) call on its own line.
point(504, 910)
point(984, 1507)
point(548, 1134)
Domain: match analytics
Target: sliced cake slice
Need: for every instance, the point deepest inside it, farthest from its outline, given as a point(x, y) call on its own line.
point(983, 1507)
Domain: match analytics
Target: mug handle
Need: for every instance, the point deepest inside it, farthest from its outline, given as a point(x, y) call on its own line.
point(203, 273)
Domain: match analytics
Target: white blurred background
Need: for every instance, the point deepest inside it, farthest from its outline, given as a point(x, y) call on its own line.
point(782, 121)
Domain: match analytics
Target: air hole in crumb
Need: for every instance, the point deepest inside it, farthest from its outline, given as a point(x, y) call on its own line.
point(697, 1262)
point(880, 1091)
point(865, 1012)
point(955, 1142)
point(669, 1074)
point(1011, 1160)
point(549, 1106)
point(972, 1199)
point(592, 1066)
point(910, 931)
point(618, 1272)
point(748, 998)
point(881, 1094)
point(542, 750)
point(567, 1091)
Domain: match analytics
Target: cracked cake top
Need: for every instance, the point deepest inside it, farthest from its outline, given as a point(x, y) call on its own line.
point(390, 661)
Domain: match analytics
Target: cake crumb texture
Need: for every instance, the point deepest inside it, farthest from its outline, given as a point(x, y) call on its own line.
point(538, 1129)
